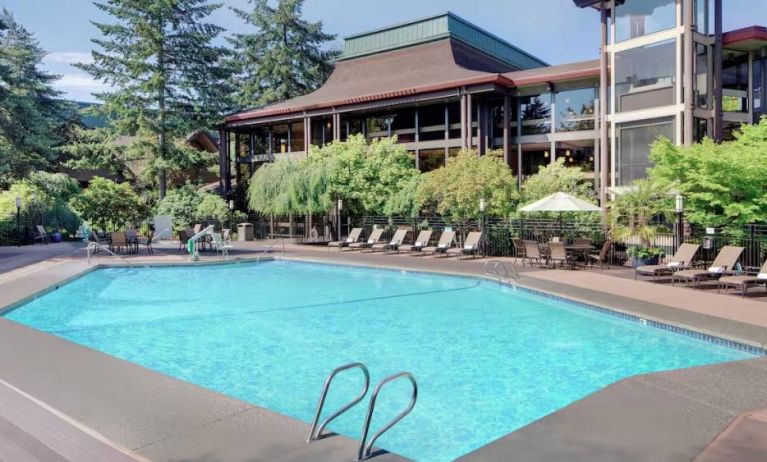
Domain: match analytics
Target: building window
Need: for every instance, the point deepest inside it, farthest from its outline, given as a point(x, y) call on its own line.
point(575, 110)
point(378, 125)
point(704, 16)
point(403, 125)
point(578, 154)
point(431, 123)
point(634, 142)
point(297, 137)
point(637, 18)
point(260, 140)
point(536, 114)
point(534, 156)
point(735, 83)
point(701, 76)
point(322, 131)
point(280, 138)
point(760, 65)
point(431, 159)
point(454, 120)
point(645, 77)
point(351, 126)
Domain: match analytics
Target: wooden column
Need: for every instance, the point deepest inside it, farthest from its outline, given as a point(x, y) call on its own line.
point(225, 178)
point(469, 121)
point(463, 119)
point(604, 82)
point(307, 133)
point(481, 129)
point(507, 128)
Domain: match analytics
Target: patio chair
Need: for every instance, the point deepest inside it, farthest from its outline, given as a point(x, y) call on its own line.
point(744, 281)
point(723, 263)
point(183, 239)
point(374, 238)
point(353, 237)
point(146, 242)
point(681, 260)
point(445, 242)
point(582, 241)
point(40, 234)
point(118, 242)
point(533, 254)
point(558, 253)
point(221, 246)
point(519, 247)
point(603, 257)
point(421, 242)
point(470, 245)
point(393, 244)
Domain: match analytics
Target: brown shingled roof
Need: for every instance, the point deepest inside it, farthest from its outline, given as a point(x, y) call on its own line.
point(428, 67)
point(572, 71)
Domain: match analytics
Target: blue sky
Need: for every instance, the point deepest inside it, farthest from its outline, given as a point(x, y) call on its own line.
point(554, 30)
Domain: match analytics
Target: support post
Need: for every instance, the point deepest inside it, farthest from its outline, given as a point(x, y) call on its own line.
point(463, 119)
point(469, 121)
point(718, 70)
point(507, 129)
point(604, 146)
point(688, 85)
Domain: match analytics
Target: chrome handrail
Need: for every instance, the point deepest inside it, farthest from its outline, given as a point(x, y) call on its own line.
point(364, 449)
point(97, 246)
point(501, 264)
point(316, 430)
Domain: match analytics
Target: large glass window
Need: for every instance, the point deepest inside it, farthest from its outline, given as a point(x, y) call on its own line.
point(403, 125)
point(454, 119)
point(534, 156)
point(575, 109)
point(704, 16)
point(322, 131)
point(260, 139)
point(634, 142)
point(735, 83)
point(297, 137)
point(636, 18)
point(760, 66)
point(536, 114)
point(578, 154)
point(431, 123)
point(280, 138)
point(351, 125)
point(701, 76)
point(645, 76)
point(378, 125)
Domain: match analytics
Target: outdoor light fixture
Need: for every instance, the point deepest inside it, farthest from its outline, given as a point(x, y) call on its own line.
point(231, 204)
point(18, 203)
point(482, 205)
point(340, 204)
point(546, 154)
point(679, 203)
point(568, 153)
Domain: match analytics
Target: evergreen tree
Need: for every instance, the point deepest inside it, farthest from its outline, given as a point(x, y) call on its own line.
point(283, 58)
point(166, 77)
point(33, 119)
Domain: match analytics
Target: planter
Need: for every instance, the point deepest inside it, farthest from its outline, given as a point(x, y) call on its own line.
point(637, 262)
point(56, 237)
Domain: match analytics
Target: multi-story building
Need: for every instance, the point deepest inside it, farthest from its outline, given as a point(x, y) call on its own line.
point(441, 84)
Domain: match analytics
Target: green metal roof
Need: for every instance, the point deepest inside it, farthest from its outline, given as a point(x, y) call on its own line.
point(446, 25)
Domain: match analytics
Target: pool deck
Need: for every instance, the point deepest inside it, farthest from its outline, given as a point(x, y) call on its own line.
point(101, 403)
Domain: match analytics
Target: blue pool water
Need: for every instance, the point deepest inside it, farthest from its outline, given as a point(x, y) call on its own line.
point(488, 359)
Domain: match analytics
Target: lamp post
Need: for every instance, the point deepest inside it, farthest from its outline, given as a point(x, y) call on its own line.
point(679, 219)
point(339, 207)
point(18, 220)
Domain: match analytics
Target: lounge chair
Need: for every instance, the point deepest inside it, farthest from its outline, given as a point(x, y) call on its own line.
point(353, 237)
point(723, 263)
point(393, 244)
point(374, 238)
point(222, 247)
point(558, 253)
point(421, 242)
point(533, 254)
point(40, 234)
point(603, 257)
point(470, 245)
point(744, 281)
point(681, 260)
point(445, 242)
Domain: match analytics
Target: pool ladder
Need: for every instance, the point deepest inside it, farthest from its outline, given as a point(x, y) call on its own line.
point(494, 267)
point(366, 445)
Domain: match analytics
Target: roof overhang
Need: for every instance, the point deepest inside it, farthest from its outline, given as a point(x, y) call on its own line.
point(591, 3)
point(746, 39)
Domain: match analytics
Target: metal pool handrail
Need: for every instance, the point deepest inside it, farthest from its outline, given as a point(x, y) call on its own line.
point(364, 450)
point(97, 246)
point(316, 431)
point(494, 271)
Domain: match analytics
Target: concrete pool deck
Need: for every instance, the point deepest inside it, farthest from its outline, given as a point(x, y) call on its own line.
point(667, 416)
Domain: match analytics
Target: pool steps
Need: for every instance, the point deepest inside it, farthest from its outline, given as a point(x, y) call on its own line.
point(365, 448)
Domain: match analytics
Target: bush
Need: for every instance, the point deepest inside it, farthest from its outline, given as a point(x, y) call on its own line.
point(189, 206)
point(107, 205)
point(44, 199)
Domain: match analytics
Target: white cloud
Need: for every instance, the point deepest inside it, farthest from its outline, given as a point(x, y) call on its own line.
point(67, 57)
point(79, 81)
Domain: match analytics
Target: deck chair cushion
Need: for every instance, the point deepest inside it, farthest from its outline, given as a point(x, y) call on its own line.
point(419, 244)
point(468, 247)
point(762, 276)
point(716, 269)
point(371, 241)
point(674, 264)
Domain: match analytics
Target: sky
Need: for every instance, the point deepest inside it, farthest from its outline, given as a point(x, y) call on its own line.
point(554, 30)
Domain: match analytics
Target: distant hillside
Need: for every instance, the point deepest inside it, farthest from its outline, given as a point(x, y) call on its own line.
point(88, 120)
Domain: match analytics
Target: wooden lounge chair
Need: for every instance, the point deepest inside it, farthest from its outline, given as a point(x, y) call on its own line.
point(353, 237)
point(40, 234)
point(445, 242)
point(558, 253)
point(681, 260)
point(470, 245)
point(421, 242)
point(375, 237)
point(393, 244)
point(603, 257)
point(723, 263)
point(533, 254)
point(744, 281)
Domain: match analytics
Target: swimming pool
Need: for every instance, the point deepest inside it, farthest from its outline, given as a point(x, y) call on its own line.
point(488, 359)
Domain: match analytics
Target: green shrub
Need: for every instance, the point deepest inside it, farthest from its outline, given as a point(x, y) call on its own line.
point(108, 206)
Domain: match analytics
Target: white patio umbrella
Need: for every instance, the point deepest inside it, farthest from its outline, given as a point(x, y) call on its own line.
point(560, 202)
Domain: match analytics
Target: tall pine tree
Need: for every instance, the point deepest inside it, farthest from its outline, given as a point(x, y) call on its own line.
point(285, 57)
point(33, 118)
point(166, 76)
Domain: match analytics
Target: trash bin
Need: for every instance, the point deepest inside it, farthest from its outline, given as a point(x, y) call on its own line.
point(244, 232)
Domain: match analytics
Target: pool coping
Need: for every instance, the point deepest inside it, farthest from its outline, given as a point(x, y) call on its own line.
point(752, 347)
